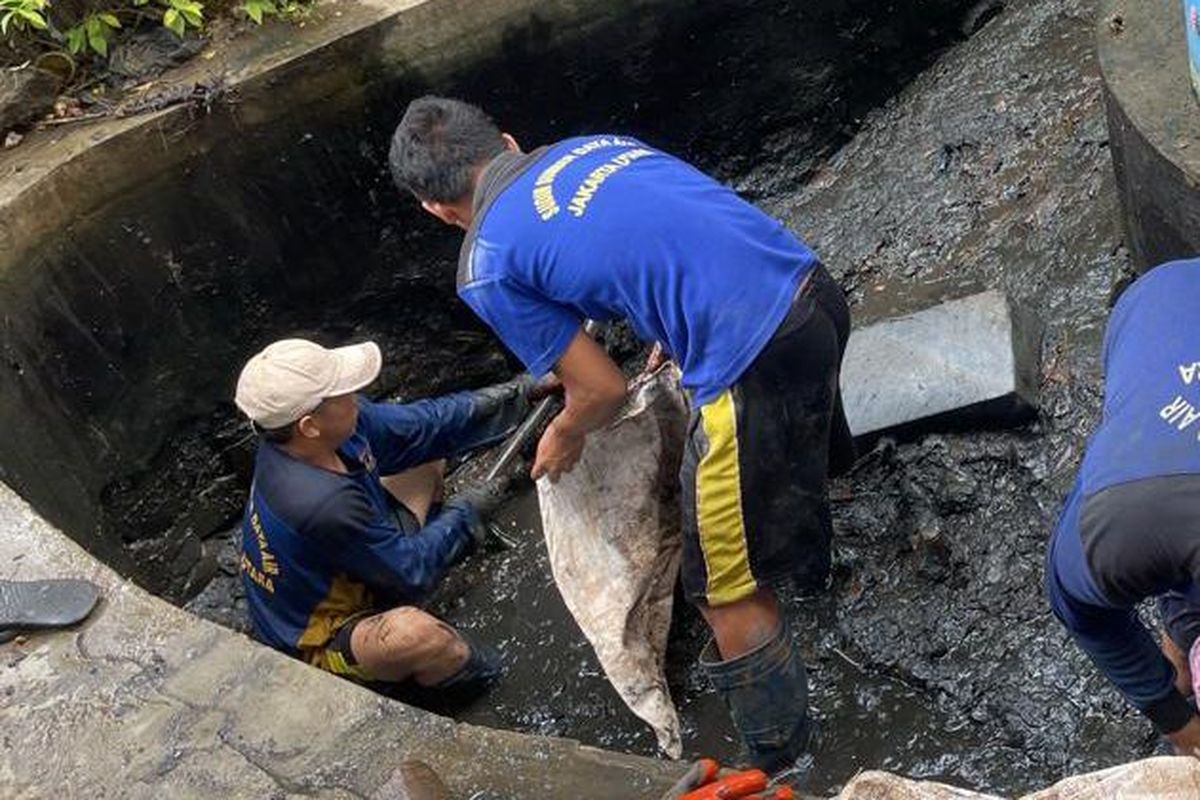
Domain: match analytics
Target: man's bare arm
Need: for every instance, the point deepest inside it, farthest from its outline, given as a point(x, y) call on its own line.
point(594, 389)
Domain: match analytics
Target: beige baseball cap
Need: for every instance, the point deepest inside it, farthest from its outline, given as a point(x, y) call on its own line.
point(291, 377)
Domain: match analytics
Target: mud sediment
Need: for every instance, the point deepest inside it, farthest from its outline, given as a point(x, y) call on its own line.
point(934, 653)
point(992, 169)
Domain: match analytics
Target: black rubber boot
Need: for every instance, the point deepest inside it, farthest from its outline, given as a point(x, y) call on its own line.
point(482, 667)
point(766, 691)
point(479, 672)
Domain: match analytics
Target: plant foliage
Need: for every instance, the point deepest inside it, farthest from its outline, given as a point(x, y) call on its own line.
point(90, 26)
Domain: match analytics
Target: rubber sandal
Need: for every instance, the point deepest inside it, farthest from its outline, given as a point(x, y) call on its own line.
point(36, 605)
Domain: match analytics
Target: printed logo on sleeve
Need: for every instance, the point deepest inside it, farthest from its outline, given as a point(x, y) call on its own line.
point(267, 570)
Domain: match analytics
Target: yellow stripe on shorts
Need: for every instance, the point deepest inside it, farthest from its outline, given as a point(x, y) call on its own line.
point(331, 660)
point(719, 506)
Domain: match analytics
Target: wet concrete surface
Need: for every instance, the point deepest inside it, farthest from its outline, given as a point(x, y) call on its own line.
point(933, 654)
point(1154, 122)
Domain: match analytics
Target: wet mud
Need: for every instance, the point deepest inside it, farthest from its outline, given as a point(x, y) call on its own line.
point(933, 653)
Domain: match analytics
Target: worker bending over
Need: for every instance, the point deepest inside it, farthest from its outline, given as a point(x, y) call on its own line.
point(1131, 526)
point(607, 227)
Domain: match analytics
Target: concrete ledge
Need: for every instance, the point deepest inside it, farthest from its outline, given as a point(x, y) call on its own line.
point(147, 701)
point(1153, 126)
point(967, 362)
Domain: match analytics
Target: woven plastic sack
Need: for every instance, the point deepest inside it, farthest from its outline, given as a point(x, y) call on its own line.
point(612, 529)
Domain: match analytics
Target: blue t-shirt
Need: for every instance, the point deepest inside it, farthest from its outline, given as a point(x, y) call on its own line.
point(605, 227)
point(1151, 421)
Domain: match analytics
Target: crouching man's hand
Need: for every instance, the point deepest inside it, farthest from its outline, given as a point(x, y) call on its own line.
point(485, 497)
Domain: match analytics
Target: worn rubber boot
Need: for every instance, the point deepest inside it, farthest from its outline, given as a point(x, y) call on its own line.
point(481, 671)
point(766, 691)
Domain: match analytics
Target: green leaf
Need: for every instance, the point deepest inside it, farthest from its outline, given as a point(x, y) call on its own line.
point(140, 3)
point(254, 11)
point(34, 18)
point(4, 22)
point(110, 19)
point(97, 34)
point(76, 39)
point(193, 17)
point(174, 21)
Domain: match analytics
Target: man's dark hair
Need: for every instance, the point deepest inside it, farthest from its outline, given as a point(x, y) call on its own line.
point(437, 145)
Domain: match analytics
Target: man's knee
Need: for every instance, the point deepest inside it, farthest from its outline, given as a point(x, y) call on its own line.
point(407, 642)
point(744, 624)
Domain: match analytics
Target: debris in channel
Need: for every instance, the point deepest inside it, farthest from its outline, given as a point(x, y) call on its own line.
point(613, 533)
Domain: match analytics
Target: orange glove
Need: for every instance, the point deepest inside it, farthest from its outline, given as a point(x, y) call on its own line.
point(731, 786)
point(701, 783)
point(778, 793)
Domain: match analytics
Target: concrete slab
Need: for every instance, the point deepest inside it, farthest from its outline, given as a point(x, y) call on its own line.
point(964, 363)
point(146, 701)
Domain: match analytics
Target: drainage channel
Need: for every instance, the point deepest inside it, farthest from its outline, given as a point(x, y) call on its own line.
point(917, 653)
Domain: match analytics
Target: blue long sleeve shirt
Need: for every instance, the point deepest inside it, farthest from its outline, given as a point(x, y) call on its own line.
point(1130, 528)
point(320, 546)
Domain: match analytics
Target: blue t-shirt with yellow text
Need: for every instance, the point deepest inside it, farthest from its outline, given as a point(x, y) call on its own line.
point(606, 227)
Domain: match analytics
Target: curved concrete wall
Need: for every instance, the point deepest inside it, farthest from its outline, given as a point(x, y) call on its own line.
point(1153, 126)
point(142, 259)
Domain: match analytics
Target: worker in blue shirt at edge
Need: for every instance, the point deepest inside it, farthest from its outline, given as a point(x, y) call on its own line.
point(1130, 529)
point(345, 530)
point(605, 227)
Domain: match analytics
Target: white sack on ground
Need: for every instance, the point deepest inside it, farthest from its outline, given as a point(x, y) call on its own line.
point(612, 529)
point(1164, 778)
